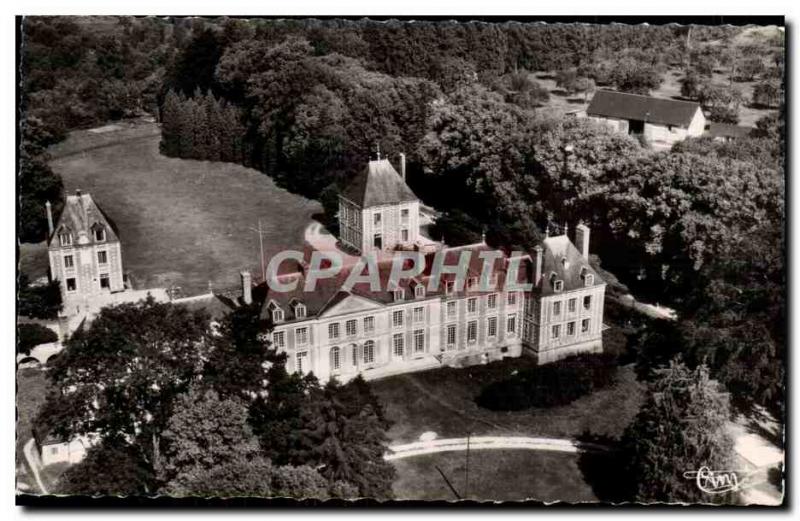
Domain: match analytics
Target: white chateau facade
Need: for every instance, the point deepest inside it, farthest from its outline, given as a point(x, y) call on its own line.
point(337, 333)
point(85, 254)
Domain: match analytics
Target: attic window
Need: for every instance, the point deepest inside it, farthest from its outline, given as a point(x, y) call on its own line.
point(565, 262)
point(558, 286)
point(472, 282)
point(277, 315)
point(399, 295)
point(99, 234)
point(588, 280)
point(299, 310)
point(65, 238)
point(419, 291)
point(449, 287)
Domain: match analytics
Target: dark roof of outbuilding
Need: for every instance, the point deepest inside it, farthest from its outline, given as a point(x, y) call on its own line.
point(79, 215)
point(562, 258)
point(608, 103)
point(378, 184)
point(728, 130)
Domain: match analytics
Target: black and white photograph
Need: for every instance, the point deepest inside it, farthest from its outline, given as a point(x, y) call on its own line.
point(354, 260)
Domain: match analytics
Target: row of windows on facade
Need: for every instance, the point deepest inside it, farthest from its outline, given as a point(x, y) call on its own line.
point(556, 329)
point(301, 333)
point(65, 236)
point(418, 315)
point(105, 282)
point(69, 260)
point(367, 350)
point(572, 305)
point(351, 217)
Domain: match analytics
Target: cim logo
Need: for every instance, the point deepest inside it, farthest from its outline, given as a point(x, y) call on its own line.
point(714, 481)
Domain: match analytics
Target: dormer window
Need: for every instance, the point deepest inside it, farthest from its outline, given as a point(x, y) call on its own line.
point(399, 295)
point(564, 262)
point(299, 310)
point(588, 280)
point(472, 282)
point(558, 286)
point(419, 291)
point(449, 287)
point(65, 238)
point(277, 315)
point(99, 233)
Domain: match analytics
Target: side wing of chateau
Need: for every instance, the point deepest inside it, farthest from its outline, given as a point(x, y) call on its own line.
point(337, 333)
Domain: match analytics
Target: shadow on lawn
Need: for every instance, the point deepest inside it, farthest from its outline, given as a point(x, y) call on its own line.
point(605, 471)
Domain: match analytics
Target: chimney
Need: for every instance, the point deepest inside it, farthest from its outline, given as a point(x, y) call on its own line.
point(582, 240)
point(49, 208)
point(403, 166)
point(247, 288)
point(538, 255)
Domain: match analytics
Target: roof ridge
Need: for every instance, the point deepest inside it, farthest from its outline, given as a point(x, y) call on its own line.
point(649, 96)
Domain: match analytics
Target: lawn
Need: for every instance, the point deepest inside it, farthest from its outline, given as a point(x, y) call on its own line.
point(443, 401)
point(181, 222)
point(32, 387)
point(496, 475)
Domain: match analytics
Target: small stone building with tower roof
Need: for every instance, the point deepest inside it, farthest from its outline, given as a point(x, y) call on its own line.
point(85, 254)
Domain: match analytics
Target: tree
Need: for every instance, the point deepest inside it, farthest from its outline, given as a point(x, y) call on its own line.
point(240, 476)
point(203, 432)
point(119, 376)
point(342, 432)
point(768, 93)
point(681, 427)
point(632, 75)
point(691, 85)
point(40, 301)
point(32, 335)
point(113, 468)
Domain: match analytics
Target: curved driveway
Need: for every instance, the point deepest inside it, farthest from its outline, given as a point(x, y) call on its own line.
point(419, 448)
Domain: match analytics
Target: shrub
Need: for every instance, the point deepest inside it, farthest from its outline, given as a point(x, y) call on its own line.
point(31, 335)
point(550, 385)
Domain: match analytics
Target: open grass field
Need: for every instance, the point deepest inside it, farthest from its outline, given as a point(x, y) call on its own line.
point(443, 401)
point(495, 475)
point(181, 222)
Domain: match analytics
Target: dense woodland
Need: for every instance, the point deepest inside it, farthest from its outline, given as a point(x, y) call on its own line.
point(700, 227)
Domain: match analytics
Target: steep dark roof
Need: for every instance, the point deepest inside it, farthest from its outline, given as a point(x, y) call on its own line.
point(557, 250)
point(79, 215)
point(378, 184)
point(607, 103)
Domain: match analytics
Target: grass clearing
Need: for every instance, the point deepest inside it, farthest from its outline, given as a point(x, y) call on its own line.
point(494, 475)
point(181, 222)
point(32, 387)
point(443, 401)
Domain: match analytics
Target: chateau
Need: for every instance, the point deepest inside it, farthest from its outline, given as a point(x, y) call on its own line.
point(85, 254)
point(334, 332)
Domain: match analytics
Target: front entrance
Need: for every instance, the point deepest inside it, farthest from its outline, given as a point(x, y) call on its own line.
point(635, 127)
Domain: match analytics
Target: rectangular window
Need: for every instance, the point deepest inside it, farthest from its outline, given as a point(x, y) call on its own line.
point(451, 336)
point(350, 327)
point(419, 340)
point(451, 309)
point(72, 284)
point(491, 327)
point(279, 339)
point(376, 219)
point(355, 355)
point(65, 239)
point(105, 281)
point(556, 308)
point(397, 318)
point(369, 352)
point(570, 328)
point(587, 302)
point(99, 234)
point(472, 305)
point(585, 325)
point(102, 257)
point(333, 331)
point(397, 344)
point(491, 301)
point(69, 261)
point(572, 306)
point(419, 314)
point(512, 298)
point(377, 241)
point(404, 235)
point(302, 361)
point(404, 215)
point(449, 286)
point(556, 331)
point(472, 331)
point(369, 324)
point(511, 325)
point(53, 450)
point(301, 336)
point(336, 362)
point(419, 290)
